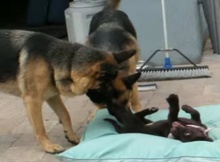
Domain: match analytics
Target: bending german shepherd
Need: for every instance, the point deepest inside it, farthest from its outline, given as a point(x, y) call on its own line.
point(111, 30)
point(183, 129)
point(39, 68)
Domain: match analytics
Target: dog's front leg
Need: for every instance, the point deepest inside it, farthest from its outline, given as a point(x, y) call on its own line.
point(59, 108)
point(135, 103)
point(34, 110)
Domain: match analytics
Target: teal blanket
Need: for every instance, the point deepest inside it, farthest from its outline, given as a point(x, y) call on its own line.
point(100, 142)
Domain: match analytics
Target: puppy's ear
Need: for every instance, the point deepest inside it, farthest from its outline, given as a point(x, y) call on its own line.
point(124, 55)
point(131, 79)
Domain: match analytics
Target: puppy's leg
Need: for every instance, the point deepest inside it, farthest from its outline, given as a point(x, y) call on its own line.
point(59, 108)
point(147, 111)
point(34, 111)
point(195, 115)
point(173, 102)
point(141, 115)
point(117, 127)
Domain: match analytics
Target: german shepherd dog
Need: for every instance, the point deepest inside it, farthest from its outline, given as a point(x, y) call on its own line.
point(40, 68)
point(111, 30)
point(183, 129)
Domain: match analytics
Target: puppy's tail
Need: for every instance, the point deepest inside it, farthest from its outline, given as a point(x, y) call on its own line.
point(112, 4)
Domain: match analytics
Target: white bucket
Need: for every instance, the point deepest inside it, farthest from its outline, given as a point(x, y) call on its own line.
point(78, 17)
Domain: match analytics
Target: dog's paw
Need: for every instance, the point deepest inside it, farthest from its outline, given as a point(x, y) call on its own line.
point(71, 138)
point(52, 148)
point(173, 99)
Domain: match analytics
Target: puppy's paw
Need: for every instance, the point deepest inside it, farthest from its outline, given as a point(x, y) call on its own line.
point(146, 111)
point(173, 99)
point(187, 108)
point(153, 109)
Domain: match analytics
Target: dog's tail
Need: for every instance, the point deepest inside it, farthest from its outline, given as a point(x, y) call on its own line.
point(112, 4)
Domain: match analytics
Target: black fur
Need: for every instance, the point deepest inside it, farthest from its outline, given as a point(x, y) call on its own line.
point(112, 16)
point(136, 123)
point(57, 53)
point(9, 58)
point(99, 95)
point(110, 30)
point(8, 68)
point(40, 68)
point(114, 39)
point(35, 45)
point(40, 40)
point(114, 36)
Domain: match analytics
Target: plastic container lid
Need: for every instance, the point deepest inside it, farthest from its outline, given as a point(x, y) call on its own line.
point(86, 3)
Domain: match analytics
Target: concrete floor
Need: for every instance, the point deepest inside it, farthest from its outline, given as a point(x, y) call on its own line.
point(17, 141)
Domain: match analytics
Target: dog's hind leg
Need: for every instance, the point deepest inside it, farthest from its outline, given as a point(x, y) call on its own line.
point(59, 108)
point(195, 115)
point(34, 111)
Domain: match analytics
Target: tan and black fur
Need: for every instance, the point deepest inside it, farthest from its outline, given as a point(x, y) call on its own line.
point(111, 30)
point(40, 68)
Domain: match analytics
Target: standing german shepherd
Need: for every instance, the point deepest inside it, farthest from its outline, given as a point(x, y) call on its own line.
point(39, 68)
point(111, 30)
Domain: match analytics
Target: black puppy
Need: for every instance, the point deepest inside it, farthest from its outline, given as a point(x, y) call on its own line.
point(183, 129)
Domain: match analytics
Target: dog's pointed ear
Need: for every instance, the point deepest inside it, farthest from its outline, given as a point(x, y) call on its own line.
point(124, 55)
point(131, 79)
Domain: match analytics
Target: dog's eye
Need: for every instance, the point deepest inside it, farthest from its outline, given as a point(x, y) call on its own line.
point(187, 134)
